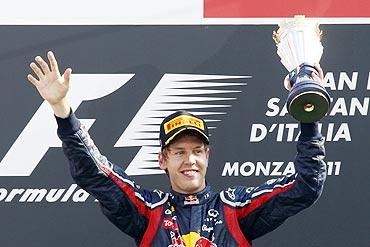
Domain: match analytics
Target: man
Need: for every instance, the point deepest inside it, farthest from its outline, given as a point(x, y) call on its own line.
point(191, 214)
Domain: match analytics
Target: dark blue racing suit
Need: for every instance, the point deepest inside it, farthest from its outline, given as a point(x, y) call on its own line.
point(232, 217)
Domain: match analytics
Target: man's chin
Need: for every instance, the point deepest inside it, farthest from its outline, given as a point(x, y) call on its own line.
point(192, 188)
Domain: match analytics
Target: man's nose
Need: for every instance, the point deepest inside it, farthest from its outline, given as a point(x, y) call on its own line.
point(191, 159)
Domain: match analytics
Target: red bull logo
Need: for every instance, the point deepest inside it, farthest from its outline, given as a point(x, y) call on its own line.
point(204, 242)
point(191, 200)
point(193, 239)
point(201, 242)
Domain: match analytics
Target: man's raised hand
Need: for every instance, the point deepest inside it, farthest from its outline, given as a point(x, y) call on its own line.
point(52, 86)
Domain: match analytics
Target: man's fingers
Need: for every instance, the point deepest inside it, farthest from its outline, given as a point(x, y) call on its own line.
point(320, 71)
point(43, 64)
point(37, 70)
point(53, 62)
point(32, 79)
point(67, 76)
point(316, 77)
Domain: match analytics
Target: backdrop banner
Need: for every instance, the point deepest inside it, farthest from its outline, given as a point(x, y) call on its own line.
point(229, 74)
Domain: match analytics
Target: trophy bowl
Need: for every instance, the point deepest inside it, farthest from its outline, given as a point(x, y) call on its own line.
point(299, 47)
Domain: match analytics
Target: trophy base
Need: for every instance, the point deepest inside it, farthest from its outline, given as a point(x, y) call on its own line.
point(308, 101)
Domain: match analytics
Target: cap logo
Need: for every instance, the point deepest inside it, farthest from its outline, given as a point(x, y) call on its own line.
point(182, 120)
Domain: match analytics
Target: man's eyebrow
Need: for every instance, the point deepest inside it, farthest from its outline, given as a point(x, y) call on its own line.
point(182, 148)
point(176, 148)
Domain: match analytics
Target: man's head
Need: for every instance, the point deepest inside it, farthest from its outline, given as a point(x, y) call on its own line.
point(185, 151)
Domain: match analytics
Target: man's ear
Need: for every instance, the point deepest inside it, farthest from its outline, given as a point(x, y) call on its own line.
point(162, 159)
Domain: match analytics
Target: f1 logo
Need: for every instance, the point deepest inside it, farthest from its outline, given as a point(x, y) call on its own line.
point(173, 92)
point(40, 133)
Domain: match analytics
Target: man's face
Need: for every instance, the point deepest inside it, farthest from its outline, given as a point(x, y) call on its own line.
point(186, 161)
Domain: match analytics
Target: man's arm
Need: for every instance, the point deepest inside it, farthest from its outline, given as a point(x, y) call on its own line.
point(292, 194)
point(123, 202)
point(261, 209)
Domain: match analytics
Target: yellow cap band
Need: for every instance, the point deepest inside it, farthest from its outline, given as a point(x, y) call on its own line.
point(182, 120)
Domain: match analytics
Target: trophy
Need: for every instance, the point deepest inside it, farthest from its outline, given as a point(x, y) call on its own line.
point(299, 47)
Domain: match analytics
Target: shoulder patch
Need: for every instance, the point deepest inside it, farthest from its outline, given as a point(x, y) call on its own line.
point(236, 196)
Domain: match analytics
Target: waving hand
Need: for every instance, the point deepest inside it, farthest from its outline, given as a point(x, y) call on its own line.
point(52, 86)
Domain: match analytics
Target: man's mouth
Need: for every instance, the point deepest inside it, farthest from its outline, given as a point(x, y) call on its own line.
point(189, 173)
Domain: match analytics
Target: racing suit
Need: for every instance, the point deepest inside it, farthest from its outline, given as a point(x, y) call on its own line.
point(232, 217)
